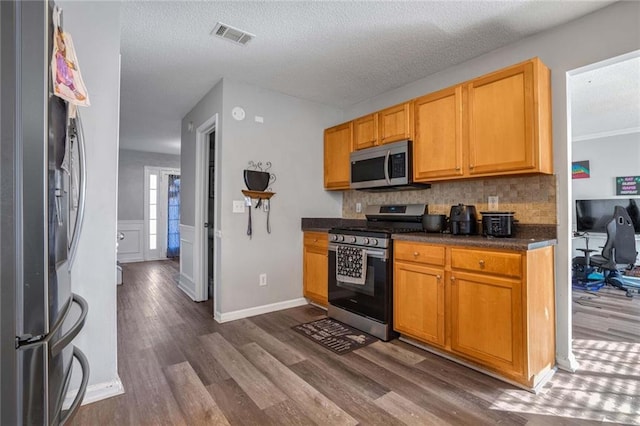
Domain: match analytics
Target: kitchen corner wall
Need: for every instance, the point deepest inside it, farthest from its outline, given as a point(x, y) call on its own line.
point(532, 198)
point(94, 27)
point(291, 138)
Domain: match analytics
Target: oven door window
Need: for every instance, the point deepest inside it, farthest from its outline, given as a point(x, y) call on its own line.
point(370, 299)
point(367, 288)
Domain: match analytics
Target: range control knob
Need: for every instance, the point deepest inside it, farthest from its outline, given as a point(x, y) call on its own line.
point(353, 239)
point(374, 242)
point(334, 238)
point(365, 241)
point(340, 237)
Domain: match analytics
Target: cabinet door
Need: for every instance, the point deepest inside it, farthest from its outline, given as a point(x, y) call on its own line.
point(394, 124)
point(418, 302)
point(315, 269)
point(365, 131)
point(337, 147)
point(437, 147)
point(501, 121)
point(486, 320)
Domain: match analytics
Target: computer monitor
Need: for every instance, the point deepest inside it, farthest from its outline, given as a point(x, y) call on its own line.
point(593, 215)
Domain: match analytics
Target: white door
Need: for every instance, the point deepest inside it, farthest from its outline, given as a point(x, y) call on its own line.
point(155, 211)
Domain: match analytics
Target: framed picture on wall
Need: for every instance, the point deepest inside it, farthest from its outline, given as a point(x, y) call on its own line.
point(580, 170)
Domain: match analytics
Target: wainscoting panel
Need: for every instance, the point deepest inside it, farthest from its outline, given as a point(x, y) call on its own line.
point(186, 284)
point(131, 248)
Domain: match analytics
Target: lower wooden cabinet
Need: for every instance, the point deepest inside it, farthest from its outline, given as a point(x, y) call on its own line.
point(486, 318)
point(491, 308)
point(315, 267)
point(418, 297)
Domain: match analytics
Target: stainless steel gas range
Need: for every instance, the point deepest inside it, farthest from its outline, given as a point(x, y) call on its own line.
point(361, 267)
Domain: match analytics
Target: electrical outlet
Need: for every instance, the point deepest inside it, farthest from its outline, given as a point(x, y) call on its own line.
point(263, 279)
point(493, 203)
point(358, 207)
point(238, 206)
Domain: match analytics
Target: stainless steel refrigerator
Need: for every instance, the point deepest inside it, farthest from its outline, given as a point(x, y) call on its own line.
point(42, 195)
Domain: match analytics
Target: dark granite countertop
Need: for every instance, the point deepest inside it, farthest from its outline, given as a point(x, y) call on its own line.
point(323, 224)
point(526, 236)
point(477, 241)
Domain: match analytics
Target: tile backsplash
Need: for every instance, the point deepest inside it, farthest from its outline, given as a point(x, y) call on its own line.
point(532, 198)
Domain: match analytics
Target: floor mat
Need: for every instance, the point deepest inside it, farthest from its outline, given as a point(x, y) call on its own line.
point(334, 335)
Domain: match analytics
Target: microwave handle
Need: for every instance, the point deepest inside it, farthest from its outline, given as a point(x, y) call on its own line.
point(386, 167)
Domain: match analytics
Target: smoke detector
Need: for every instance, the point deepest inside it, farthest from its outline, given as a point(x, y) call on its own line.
point(232, 34)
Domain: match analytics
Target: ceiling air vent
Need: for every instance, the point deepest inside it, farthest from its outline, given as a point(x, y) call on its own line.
point(232, 34)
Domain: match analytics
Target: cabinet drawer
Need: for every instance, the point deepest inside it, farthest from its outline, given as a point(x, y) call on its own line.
point(421, 253)
point(491, 262)
point(318, 239)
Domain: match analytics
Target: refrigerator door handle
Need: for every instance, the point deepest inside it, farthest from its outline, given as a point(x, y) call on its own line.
point(82, 159)
point(65, 340)
point(67, 415)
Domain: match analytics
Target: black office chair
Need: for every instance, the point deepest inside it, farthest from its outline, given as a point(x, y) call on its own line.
point(620, 249)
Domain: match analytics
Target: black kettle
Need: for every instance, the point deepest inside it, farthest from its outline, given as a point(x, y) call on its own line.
point(463, 220)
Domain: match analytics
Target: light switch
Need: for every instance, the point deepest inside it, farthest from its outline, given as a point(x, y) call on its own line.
point(238, 206)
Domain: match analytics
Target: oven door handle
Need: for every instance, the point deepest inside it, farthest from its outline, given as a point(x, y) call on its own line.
point(378, 254)
point(386, 167)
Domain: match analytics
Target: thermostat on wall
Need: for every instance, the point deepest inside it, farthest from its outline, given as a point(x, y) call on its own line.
point(238, 113)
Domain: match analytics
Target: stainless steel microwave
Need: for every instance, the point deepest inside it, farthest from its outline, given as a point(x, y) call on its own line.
point(385, 167)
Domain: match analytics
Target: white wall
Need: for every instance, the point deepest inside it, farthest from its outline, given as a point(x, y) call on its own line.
point(94, 27)
point(207, 107)
point(291, 139)
point(131, 179)
point(606, 33)
point(609, 158)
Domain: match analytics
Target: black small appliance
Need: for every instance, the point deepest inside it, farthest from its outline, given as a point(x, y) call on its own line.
point(463, 220)
point(497, 224)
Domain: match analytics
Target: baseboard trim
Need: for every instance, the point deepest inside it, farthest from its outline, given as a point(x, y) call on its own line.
point(569, 363)
point(258, 310)
point(131, 259)
point(96, 392)
point(187, 286)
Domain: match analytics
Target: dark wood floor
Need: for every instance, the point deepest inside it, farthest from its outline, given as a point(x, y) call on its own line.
point(179, 366)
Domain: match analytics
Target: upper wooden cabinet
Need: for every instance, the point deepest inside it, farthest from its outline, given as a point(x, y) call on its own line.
point(509, 121)
point(365, 131)
point(395, 123)
point(389, 125)
point(494, 125)
point(337, 148)
point(437, 148)
point(498, 124)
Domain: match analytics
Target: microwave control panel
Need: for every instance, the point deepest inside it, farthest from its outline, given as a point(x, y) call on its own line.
point(398, 166)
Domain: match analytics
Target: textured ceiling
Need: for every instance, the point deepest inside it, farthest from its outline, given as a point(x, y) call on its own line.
point(606, 100)
point(337, 53)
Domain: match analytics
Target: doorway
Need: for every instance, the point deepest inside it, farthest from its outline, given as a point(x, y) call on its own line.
point(604, 143)
point(211, 211)
point(158, 182)
point(207, 234)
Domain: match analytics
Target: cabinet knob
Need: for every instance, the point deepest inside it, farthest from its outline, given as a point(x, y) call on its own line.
point(457, 168)
point(453, 279)
point(438, 277)
point(315, 240)
point(416, 254)
point(481, 262)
